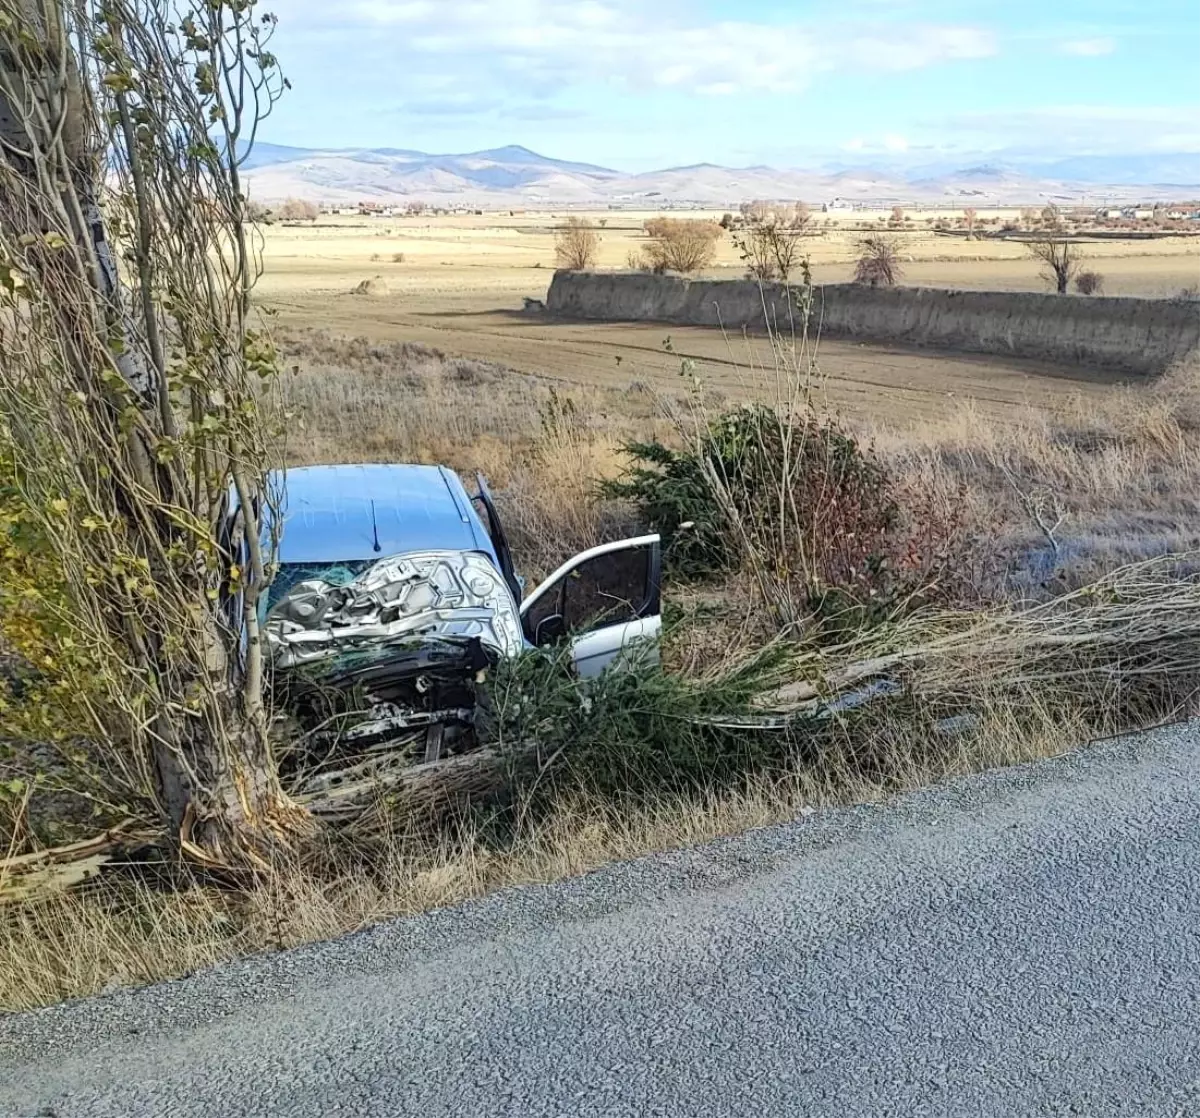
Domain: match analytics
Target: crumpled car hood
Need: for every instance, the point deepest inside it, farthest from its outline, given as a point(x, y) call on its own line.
point(406, 599)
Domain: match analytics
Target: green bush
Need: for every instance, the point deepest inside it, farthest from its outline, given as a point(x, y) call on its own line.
point(676, 498)
point(630, 732)
point(794, 495)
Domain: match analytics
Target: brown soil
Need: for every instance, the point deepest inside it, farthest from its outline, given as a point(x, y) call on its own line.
point(879, 382)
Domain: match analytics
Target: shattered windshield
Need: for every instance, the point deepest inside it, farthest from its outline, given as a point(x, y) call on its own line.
point(333, 574)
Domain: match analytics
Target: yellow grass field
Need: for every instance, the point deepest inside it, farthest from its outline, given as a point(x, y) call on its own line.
point(457, 282)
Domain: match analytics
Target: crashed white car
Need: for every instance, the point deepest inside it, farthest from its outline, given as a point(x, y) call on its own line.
point(396, 592)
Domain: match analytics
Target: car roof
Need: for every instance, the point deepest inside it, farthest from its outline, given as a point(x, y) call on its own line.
point(338, 514)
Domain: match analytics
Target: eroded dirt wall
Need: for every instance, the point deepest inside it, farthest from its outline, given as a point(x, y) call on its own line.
point(1143, 336)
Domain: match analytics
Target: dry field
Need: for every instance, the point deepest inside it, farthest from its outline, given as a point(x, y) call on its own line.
point(457, 283)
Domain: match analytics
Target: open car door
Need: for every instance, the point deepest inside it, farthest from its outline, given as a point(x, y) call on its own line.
point(499, 538)
point(606, 601)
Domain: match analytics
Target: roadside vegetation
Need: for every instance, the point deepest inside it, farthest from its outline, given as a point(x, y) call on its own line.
point(850, 611)
point(939, 574)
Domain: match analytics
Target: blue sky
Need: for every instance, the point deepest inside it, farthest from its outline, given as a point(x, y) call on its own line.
point(640, 84)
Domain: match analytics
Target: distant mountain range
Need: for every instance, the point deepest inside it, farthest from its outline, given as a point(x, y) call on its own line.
point(517, 176)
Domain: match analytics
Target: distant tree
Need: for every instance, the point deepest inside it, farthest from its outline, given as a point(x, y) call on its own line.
point(897, 217)
point(576, 244)
point(678, 245)
point(878, 263)
point(296, 209)
point(970, 214)
point(415, 209)
point(1060, 257)
point(754, 248)
point(1052, 217)
point(727, 221)
point(258, 213)
point(801, 217)
point(759, 211)
point(770, 251)
point(1089, 283)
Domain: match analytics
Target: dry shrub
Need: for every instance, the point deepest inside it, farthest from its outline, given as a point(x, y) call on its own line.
point(375, 287)
point(1089, 283)
point(1120, 472)
point(680, 245)
point(771, 251)
point(878, 263)
point(1060, 257)
point(576, 244)
point(553, 506)
point(296, 209)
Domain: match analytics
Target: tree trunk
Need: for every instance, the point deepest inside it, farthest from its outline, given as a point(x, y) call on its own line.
point(217, 784)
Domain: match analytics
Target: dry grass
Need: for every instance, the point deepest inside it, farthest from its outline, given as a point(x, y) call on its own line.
point(543, 447)
point(130, 934)
point(357, 401)
point(1057, 501)
point(500, 252)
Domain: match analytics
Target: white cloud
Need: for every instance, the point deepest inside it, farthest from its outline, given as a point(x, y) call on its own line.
point(1083, 128)
point(895, 143)
point(489, 46)
point(1088, 48)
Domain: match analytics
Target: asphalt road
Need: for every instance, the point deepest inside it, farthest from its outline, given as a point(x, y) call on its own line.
point(1022, 943)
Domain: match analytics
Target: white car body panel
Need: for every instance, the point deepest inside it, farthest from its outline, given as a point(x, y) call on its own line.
point(593, 651)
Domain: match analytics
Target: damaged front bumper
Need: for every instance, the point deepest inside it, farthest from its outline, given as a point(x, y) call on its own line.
point(391, 658)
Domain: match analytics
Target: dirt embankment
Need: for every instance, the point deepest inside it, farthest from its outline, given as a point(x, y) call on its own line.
point(1143, 336)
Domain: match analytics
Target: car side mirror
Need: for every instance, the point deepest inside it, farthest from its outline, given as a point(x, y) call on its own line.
point(550, 630)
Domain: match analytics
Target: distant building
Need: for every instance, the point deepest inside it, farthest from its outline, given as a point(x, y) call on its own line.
point(838, 205)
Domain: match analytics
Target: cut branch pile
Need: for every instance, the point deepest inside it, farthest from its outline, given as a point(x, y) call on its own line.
point(1141, 622)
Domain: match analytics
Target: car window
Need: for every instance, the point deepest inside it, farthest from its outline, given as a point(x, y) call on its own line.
point(607, 590)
